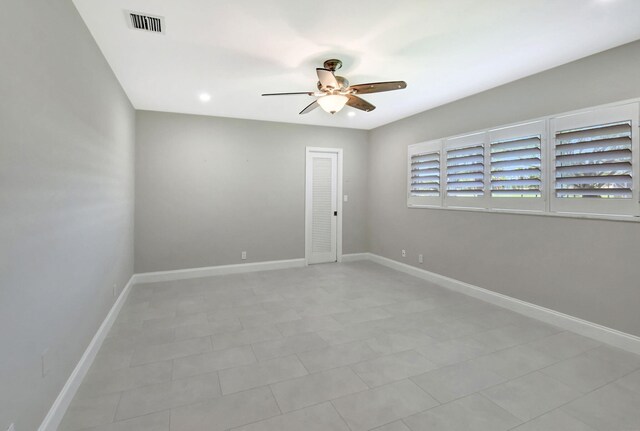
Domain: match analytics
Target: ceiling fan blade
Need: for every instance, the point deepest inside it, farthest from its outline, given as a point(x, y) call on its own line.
point(310, 107)
point(327, 78)
point(308, 93)
point(378, 87)
point(358, 103)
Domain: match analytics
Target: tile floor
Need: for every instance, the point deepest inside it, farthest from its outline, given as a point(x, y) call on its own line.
point(345, 347)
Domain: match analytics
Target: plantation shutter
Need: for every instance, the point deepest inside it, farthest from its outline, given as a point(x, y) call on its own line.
point(465, 172)
point(423, 184)
point(596, 161)
point(425, 174)
point(516, 167)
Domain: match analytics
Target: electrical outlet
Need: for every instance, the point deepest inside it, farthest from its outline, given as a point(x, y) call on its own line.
point(420, 259)
point(346, 198)
point(12, 427)
point(244, 255)
point(404, 253)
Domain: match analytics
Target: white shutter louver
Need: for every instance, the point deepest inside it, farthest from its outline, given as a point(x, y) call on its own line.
point(595, 162)
point(516, 167)
point(425, 174)
point(465, 171)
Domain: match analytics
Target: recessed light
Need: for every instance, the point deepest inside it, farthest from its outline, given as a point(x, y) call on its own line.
point(205, 97)
point(351, 114)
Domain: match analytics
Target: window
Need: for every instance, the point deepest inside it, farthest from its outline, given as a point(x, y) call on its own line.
point(424, 177)
point(595, 162)
point(580, 163)
point(465, 171)
point(517, 180)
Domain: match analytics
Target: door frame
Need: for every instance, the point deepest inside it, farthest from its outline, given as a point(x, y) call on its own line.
point(307, 199)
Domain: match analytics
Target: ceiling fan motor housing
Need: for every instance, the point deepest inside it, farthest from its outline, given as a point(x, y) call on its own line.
point(342, 81)
point(332, 64)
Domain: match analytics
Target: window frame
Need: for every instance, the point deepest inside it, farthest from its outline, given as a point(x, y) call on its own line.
point(585, 210)
point(629, 207)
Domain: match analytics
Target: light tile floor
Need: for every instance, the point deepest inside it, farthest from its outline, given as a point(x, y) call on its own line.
point(345, 347)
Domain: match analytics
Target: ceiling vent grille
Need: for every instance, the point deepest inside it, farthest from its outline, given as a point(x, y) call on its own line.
point(138, 21)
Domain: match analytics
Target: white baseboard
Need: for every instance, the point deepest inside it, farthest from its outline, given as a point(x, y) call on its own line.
point(60, 405)
point(208, 271)
point(600, 333)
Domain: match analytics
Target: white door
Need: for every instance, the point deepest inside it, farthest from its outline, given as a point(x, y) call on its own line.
point(322, 206)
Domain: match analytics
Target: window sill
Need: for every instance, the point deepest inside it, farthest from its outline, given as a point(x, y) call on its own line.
point(584, 216)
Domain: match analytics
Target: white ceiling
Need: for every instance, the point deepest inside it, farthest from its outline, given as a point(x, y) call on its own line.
point(443, 49)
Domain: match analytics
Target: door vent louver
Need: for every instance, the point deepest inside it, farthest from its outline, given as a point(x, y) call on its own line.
point(145, 22)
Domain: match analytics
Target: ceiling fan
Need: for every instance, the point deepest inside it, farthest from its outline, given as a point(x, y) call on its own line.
point(334, 92)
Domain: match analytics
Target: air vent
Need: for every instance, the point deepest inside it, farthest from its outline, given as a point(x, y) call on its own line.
point(145, 22)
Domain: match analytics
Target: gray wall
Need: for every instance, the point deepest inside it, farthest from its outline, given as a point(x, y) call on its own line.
point(208, 188)
point(66, 200)
point(585, 268)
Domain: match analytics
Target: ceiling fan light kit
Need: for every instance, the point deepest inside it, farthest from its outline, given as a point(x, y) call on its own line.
point(334, 92)
point(333, 102)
